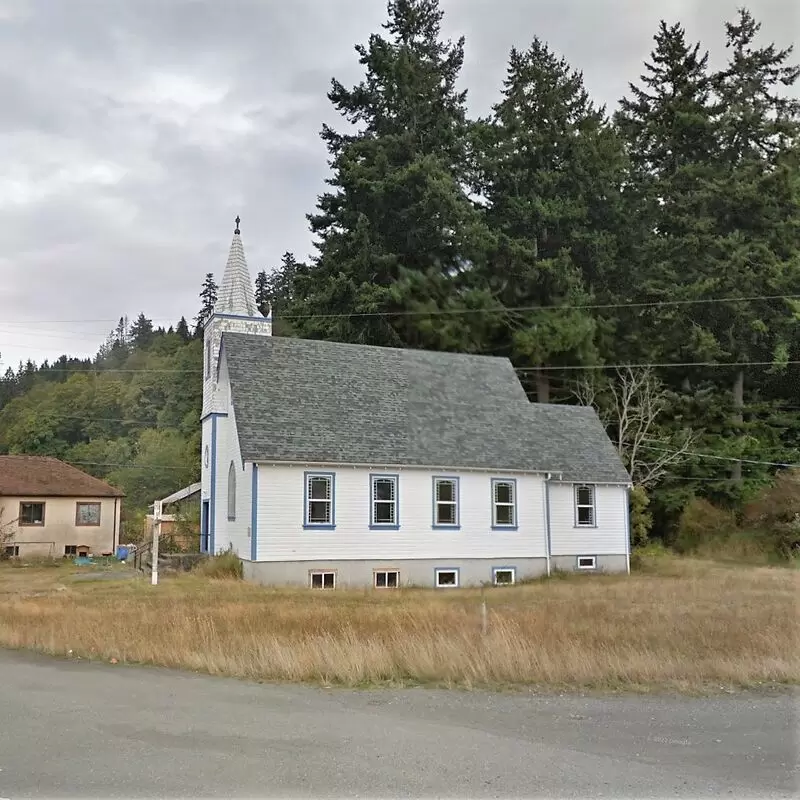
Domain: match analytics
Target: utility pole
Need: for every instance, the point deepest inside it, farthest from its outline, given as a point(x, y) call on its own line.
point(154, 551)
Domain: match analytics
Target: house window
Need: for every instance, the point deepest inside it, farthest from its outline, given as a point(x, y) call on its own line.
point(384, 500)
point(319, 499)
point(504, 576)
point(70, 549)
point(584, 506)
point(504, 503)
point(445, 502)
point(231, 492)
point(587, 562)
point(87, 514)
point(322, 580)
point(31, 513)
point(446, 578)
point(387, 578)
point(12, 550)
point(208, 358)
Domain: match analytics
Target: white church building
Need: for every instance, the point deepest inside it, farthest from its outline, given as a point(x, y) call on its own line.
point(330, 465)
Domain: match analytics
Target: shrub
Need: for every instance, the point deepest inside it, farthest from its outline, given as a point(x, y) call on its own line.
point(226, 565)
point(774, 515)
point(641, 518)
point(703, 524)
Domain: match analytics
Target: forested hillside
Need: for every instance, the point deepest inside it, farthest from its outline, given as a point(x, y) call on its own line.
point(646, 261)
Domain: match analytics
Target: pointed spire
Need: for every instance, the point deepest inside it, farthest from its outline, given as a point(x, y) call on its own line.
point(236, 295)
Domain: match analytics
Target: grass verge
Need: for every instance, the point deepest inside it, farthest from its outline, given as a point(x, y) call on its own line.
point(678, 624)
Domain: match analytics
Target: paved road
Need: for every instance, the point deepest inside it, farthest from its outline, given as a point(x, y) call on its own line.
point(93, 730)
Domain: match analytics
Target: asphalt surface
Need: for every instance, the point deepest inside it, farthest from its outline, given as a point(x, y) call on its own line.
point(94, 730)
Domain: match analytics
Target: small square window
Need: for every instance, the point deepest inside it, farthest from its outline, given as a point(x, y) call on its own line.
point(11, 550)
point(323, 580)
point(87, 514)
point(504, 576)
point(31, 513)
point(387, 579)
point(70, 550)
point(587, 562)
point(446, 578)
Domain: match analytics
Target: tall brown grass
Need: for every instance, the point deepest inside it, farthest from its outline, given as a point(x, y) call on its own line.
point(684, 624)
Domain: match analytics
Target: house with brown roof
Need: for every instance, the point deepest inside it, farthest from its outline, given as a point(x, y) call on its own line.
point(49, 508)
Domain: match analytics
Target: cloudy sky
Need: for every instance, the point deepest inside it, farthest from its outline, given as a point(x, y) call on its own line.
point(132, 132)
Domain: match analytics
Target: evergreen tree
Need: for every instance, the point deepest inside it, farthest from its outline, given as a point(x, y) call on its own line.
point(141, 332)
point(668, 125)
point(182, 330)
point(208, 298)
point(262, 293)
point(550, 173)
point(397, 230)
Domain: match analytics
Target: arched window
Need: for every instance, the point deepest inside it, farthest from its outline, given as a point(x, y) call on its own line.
point(232, 492)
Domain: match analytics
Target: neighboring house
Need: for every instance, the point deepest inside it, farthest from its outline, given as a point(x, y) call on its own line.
point(328, 464)
point(50, 508)
point(181, 504)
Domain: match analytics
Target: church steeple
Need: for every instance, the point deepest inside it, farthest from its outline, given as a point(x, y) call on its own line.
point(236, 295)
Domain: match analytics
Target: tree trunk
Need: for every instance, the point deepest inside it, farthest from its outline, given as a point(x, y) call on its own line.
point(738, 404)
point(542, 386)
point(686, 384)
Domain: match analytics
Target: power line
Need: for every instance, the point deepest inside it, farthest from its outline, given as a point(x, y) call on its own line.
point(460, 311)
point(126, 466)
point(716, 457)
point(659, 365)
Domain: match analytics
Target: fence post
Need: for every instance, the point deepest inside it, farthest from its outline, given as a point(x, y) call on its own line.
point(154, 551)
point(484, 612)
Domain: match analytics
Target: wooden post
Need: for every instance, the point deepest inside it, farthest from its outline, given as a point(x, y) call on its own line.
point(484, 613)
point(154, 551)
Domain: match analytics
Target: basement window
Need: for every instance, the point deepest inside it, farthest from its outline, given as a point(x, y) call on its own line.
point(504, 576)
point(446, 578)
point(70, 549)
point(387, 579)
point(323, 580)
point(12, 550)
point(587, 562)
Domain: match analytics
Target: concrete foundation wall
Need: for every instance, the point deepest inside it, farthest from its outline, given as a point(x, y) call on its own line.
point(417, 572)
point(604, 563)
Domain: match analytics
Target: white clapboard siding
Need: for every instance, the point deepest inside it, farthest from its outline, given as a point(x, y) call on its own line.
point(609, 537)
point(281, 536)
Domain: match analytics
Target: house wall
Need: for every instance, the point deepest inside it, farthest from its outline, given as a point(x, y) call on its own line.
point(608, 537)
point(59, 528)
point(282, 537)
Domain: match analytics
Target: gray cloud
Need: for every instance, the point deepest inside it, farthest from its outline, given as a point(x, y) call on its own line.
point(132, 133)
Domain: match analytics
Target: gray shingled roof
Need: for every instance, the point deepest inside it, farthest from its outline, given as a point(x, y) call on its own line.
point(311, 401)
point(235, 295)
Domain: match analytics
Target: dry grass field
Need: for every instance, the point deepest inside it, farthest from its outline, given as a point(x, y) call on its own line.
point(677, 624)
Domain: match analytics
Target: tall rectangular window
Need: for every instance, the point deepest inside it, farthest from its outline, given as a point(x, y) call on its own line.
point(384, 501)
point(584, 507)
point(445, 502)
point(319, 499)
point(504, 503)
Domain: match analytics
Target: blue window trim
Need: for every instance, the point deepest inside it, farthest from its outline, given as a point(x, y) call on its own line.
point(254, 514)
point(593, 487)
point(319, 526)
point(384, 526)
point(437, 570)
point(213, 414)
point(586, 555)
point(212, 528)
point(495, 526)
point(512, 570)
point(440, 526)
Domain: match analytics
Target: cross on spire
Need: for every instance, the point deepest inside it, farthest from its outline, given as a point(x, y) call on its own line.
point(237, 224)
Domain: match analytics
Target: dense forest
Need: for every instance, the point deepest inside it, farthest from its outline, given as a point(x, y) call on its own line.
point(646, 261)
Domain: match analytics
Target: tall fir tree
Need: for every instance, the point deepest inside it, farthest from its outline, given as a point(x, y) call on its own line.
point(397, 230)
point(550, 172)
point(182, 329)
point(141, 332)
point(208, 298)
point(262, 292)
